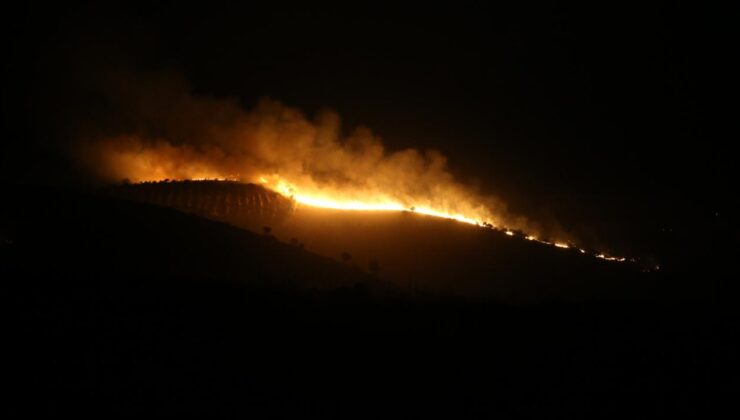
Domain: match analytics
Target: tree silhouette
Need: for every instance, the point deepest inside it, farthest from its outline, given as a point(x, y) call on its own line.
point(346, 257)
point(267, 230)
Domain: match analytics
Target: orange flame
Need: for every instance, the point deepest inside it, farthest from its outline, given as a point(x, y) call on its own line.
point(339, 201)
point(309, 161)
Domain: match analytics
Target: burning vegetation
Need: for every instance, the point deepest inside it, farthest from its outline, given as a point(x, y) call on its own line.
point(162, 131)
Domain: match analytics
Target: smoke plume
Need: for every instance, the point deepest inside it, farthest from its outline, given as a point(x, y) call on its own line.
point(153, 127)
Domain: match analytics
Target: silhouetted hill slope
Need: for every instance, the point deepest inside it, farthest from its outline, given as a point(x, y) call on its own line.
point(414, 252)
point(245, 205)
point(451, 257)
point(120, 308)
point(62, 233)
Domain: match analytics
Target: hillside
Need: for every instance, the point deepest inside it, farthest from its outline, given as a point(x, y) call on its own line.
point(412, 251)
point(246, 205)
point(83, 235)
point(449, 257)
point(123, 308)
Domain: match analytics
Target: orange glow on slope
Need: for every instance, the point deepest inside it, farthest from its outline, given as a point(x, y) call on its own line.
point(310, 161)
point(342, 200)
point(338, 201)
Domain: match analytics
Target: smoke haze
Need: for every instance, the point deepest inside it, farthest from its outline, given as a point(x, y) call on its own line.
point(155, 128)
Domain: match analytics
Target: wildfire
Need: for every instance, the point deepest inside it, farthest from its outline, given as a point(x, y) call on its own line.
point(338, 201)
point(380, 203)
point(216, 178)
point(608, 258)
point(318, 165)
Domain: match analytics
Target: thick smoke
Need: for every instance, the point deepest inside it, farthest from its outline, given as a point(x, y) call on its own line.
point(154, 127)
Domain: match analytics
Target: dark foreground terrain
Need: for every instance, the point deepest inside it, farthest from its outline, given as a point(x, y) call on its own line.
point(413, 251)
point(123, 308)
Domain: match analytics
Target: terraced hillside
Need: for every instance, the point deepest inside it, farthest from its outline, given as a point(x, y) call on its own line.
point(246, 205)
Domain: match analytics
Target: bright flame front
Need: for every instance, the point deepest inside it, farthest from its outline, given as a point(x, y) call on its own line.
point(372, 204)
point(339, 202)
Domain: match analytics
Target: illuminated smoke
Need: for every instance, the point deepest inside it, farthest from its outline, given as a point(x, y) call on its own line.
point(157, 129)
point(153, 128)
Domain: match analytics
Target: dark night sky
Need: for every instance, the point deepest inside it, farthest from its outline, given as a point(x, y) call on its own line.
point(602, 116)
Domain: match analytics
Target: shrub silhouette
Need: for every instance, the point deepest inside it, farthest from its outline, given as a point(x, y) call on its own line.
point(267, 230)
point(346, 257)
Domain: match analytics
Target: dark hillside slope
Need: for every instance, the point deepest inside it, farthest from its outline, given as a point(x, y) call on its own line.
point(66, 236)
point(245, 205)
point(119, 308)
point(410, 250)
point(451, 257)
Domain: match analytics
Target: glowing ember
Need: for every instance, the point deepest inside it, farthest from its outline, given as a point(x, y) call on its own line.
point(608, 258)
point(510, 233)
point(561, 245)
